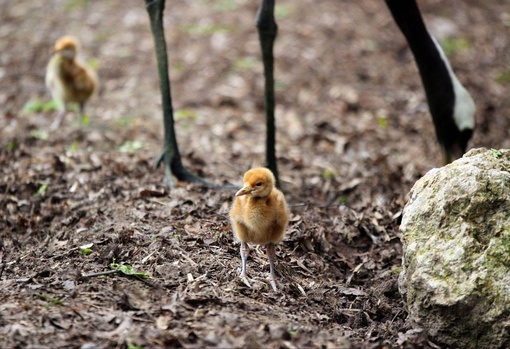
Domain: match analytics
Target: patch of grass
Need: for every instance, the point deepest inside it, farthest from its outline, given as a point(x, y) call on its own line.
point(51, 300)
point(178, 67)
point(226, 5)
point(126, 121)
point(76, 4)
point(504, 77)
point(396, 270)
point(39, 134)
point(246, 63)
point(131, 146)
point(185, 117)
point(73, 107)
point(177, 236)
point(38, 106)
point(186, 114)
point(11, 145)
point(283, 10)
point(278, 85)
point(328, 174)
point(205, 29)
point(93, 63)
point(85, 120)
point(134, 346)
point(454, 45)
point(102, 35)
point(74, 147)
point(382, 121)
point(343, 200)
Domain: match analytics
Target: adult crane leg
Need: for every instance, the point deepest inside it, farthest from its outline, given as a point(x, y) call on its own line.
point(267, 30)
point(171, 157)
point(451, 106)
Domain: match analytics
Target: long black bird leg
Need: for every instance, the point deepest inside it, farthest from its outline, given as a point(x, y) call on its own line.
point(170, 157)
point(268, 29)
point(451, 106)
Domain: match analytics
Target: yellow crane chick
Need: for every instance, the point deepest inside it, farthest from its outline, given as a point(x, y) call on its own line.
point(68, 78)
point(259, 215)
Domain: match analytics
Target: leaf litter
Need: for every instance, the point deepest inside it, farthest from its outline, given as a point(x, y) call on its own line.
point(353, 136)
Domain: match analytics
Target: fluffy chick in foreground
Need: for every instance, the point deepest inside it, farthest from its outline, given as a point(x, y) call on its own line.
point(69, 79)
point(259, 215)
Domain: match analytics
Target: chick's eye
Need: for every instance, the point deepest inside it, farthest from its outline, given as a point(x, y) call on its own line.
point(258, 184)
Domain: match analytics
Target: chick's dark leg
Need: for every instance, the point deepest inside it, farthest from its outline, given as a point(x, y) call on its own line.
point(267, 30)
point(271, 253)
point(245, 251)
point(82, 111)
point(170, 157)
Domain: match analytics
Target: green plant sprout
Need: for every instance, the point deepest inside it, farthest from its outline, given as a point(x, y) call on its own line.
point(74, 147)
point(134, 346)
point(11, 145)
point(86, 249)
point(328, 174)
point(51, 300)
point(343, 200)
point(85, 120)
point(496, 153)
point(382, 121)
point(42, 189)
point(126, 269)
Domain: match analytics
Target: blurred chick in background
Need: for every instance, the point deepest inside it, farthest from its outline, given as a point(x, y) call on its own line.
point(68, 78)
point(259, 215)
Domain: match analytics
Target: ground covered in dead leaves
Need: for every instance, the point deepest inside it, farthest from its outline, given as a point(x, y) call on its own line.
point(354, 134)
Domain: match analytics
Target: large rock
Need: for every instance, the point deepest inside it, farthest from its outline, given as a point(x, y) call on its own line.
point(456, 237)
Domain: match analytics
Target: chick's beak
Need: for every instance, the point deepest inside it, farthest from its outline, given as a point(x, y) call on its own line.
point(245, 190)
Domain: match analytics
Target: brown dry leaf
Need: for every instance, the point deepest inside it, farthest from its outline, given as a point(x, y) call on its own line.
point(163, 322)
point(137, 297)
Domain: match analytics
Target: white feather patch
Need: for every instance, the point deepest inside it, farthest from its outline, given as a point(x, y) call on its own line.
point(464, 108)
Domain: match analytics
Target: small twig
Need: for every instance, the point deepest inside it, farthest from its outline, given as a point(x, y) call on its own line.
point(301, 289)
point(100, 273)
point(183, 254)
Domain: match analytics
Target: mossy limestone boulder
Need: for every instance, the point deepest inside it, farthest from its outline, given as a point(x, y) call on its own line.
point(456, 239)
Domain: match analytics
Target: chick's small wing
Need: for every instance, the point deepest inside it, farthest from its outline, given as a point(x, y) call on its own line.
point(85, 79)
point(282, 210)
